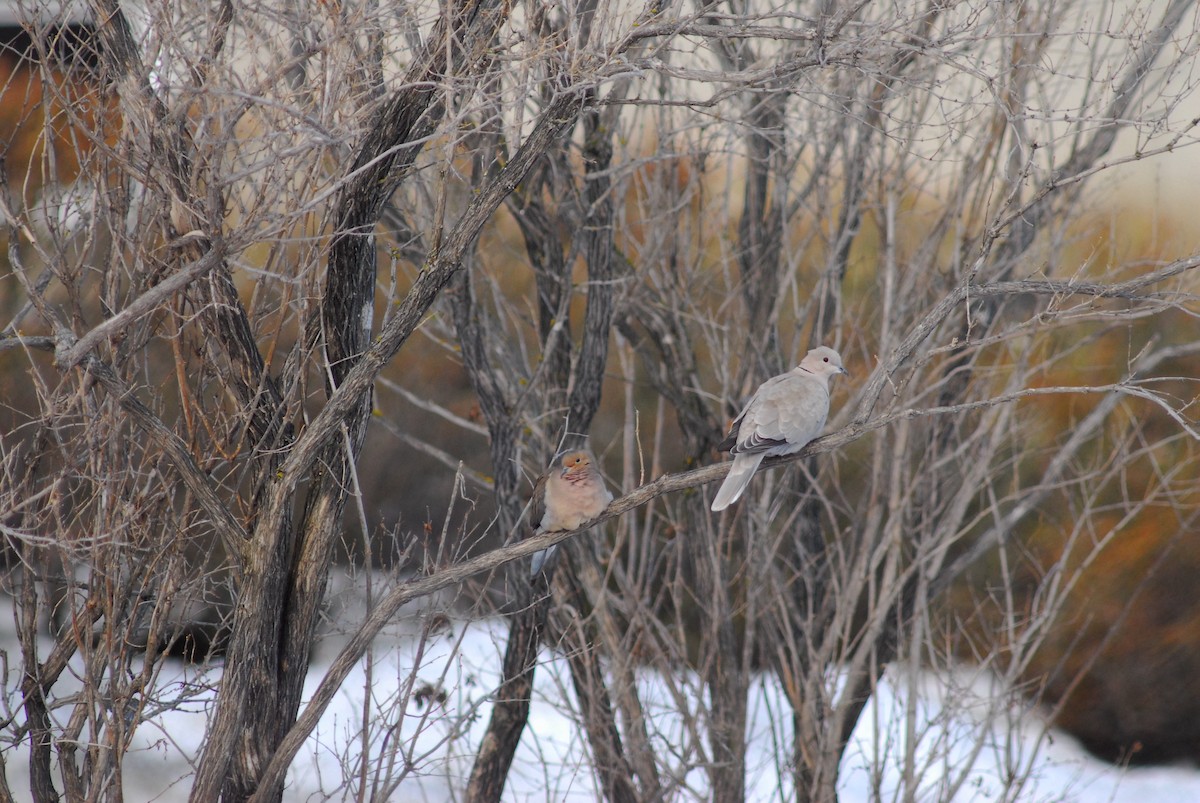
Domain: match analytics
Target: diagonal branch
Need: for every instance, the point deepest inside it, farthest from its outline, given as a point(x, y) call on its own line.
point(436, 273)
point(227, 527)
point(144, 304)
point(326, 429)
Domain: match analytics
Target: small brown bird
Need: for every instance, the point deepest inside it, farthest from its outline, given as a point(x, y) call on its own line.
point(569, 494)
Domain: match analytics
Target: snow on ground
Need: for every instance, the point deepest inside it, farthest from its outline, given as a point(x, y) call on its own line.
point(952, 732)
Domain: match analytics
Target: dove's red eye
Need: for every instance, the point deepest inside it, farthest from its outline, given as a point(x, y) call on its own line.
point(826, 359)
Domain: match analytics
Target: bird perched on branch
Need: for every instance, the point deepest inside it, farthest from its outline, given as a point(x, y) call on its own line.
point(783, 415)
point(569, 494)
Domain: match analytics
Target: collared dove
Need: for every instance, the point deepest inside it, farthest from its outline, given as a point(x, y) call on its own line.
point(783, 415)
point(570, 493)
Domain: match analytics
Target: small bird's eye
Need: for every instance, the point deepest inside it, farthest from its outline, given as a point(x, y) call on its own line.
point(826, 359)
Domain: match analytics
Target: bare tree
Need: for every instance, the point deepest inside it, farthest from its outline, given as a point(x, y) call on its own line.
point(612, 221)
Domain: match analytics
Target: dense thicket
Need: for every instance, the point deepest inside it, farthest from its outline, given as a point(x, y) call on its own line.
point(294, 284)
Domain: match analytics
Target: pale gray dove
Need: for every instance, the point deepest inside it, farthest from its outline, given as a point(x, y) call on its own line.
point(570, 493)
point(783, 415)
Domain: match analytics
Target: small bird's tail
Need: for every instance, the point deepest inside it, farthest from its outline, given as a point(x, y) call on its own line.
point(541, 560)
point(743, 468)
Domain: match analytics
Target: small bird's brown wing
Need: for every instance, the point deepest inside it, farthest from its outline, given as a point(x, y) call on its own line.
point(537, 504)
point(533, 525)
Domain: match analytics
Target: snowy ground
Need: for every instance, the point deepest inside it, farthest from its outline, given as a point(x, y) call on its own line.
point(957, 744)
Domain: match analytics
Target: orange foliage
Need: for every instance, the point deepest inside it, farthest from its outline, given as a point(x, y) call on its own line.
point(67, 115)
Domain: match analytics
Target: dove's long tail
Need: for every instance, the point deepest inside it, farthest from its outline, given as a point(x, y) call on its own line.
point(743, 468)
point(541, 560)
